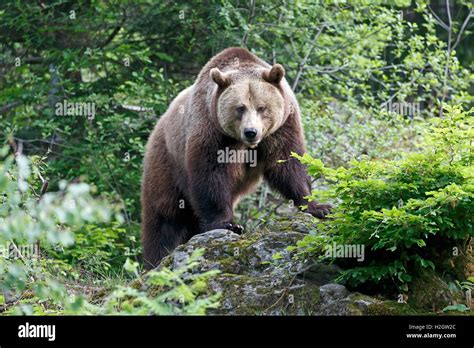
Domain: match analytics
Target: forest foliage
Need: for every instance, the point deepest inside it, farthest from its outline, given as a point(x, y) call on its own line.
point(412, 213)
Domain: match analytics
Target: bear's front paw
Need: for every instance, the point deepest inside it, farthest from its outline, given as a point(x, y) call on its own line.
point(319, 210)
point(224, 225)
point(234, 228)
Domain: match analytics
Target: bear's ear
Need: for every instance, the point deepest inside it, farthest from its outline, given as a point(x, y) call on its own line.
point(275, 74)
point(222, 79)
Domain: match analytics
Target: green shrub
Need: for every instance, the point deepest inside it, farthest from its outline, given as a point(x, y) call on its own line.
point(100, 250)
point(413, 213)
point(49, 240)
point(164, 292)
point(31, 220)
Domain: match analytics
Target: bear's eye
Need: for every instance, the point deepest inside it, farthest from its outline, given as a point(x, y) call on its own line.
point(240, 109)
point(261, 109)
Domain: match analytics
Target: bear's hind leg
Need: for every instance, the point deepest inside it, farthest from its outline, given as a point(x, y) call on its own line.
point(161, 236)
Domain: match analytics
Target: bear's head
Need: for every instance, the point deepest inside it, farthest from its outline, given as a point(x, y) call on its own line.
point(250, 106)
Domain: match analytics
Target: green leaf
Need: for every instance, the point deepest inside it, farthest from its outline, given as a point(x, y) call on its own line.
point(457, 308)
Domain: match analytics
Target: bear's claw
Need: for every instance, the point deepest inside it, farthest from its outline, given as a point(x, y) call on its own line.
point(320, 210)
point(234, 228)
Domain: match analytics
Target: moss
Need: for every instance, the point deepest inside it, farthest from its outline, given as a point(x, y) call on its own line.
point(229, 265)
point(99, 295)
point(296, 222)
point(166, 262)
point(135, 284)
point(307, 300)
point(249, 295)
point(231, 275)
point(390, 308)
point(155, 291)
point(430, 292)
point(243, 261)
point(227, 248)
point(243, 242)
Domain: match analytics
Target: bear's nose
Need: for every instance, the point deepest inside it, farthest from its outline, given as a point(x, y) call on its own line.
point(250, 133)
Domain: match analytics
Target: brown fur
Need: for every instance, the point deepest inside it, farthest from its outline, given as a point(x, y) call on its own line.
point(180, 164)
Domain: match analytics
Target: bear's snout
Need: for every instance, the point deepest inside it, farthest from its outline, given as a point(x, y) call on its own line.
point(251, 136)
point(250, 133)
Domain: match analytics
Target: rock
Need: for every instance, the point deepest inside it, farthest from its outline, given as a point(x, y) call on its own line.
point(337, 300)
point(217, 243)
point(297, 222)
point(320, 273)
point(334, 298)
point(259, 276)
point(331, 292)
point(430, 292)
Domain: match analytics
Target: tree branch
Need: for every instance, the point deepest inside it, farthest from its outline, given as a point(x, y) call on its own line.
point(448, 59)
point(251, 15)
point(301, 65)
point(439, 20)
point(463, 28)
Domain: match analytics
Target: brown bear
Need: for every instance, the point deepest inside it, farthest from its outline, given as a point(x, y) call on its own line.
point(238, 102)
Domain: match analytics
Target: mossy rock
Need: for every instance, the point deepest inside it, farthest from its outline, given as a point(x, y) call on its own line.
point(299, 222)
point(259, 276)
point(391, 308)
point(429, 291)
point(247, 295)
